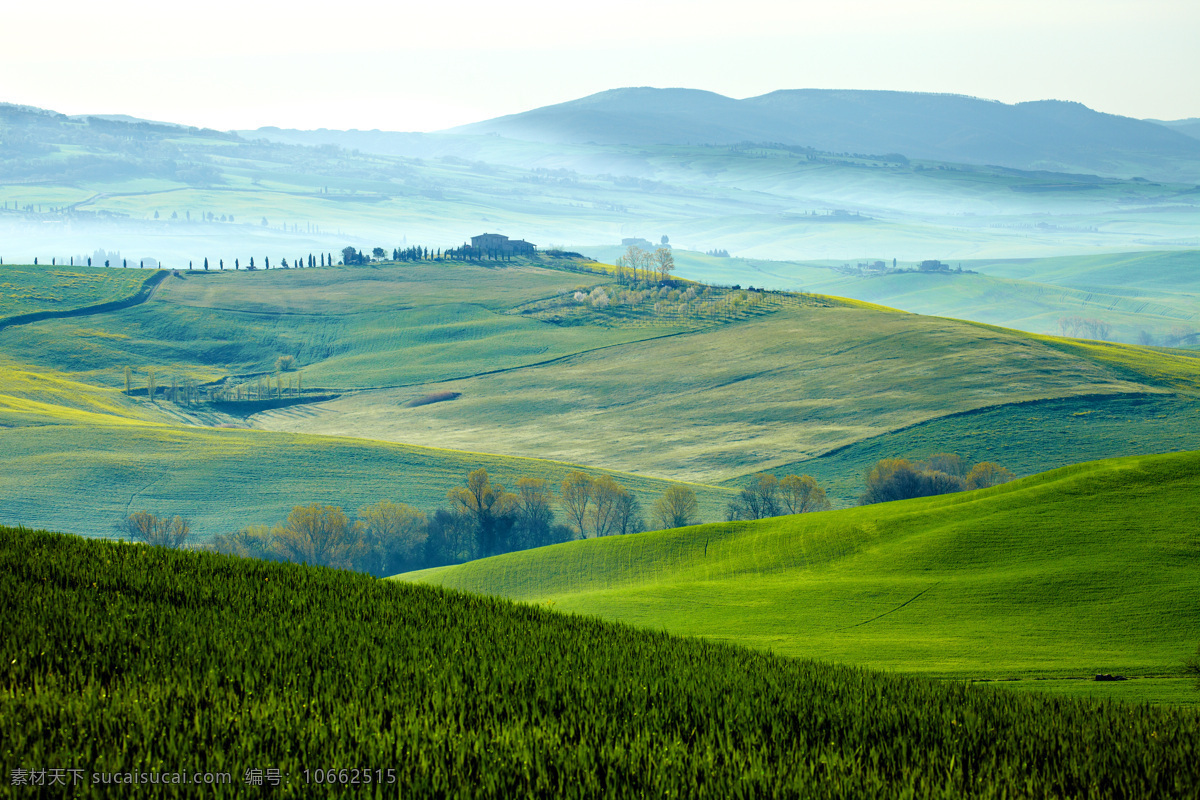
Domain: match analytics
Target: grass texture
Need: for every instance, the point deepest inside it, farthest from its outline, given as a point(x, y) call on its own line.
point(1088, 569)
point(171, 660)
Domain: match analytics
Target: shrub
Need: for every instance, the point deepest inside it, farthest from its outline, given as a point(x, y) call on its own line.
point(1191, 667)
point(900, 479)
point(433, 397)
point(147, 528)
point(985, 474)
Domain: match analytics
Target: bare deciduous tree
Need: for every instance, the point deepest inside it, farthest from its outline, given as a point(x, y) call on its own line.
point(636, 259)
point(534, 511)
point(142, 526)
point(486, 503)
point(605, 494)
point(677, 507)
point(800, 494)
point(256, 541)
point(576, 494)
point(628, 514)
point(949, 463)
point(393, 533)
point(318, 534)
point(664, 262)
point(985, 474)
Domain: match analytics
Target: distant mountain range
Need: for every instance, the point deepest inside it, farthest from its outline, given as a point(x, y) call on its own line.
point(1189, 126)
point(1040, 135)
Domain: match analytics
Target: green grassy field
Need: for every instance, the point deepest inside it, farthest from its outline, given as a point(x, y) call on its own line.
point(91, 454)
point(1084, 570)
point(766, 393)
point(812, 385)
point(345, 327)
point(180, 661)
point(1143, 297)
point(26, 289)
point(1066, 431)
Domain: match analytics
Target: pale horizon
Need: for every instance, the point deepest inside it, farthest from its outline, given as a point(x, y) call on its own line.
point(238, 66)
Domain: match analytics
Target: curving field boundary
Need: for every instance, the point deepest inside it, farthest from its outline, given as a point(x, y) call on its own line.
point(143, 294)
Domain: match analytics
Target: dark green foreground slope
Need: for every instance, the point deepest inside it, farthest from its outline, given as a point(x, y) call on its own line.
point(1088, 569)
point(124, 658)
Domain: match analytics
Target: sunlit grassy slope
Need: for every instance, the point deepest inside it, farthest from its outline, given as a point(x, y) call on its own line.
point(1025, 437)
point(26, 289)
point(30, 396)
point(761, 394)
point(1092, 568)
point(346, 327)
point(1143, 296)
point(82, 457)
point(810, 385)
point(123, 658)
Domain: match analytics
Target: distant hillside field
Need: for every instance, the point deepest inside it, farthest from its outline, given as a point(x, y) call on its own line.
point(707, 388)
point(171, 661)
point(1143, 298)
point(33, 289)
point(779, 389)
point(1085, 570)
point(346, 327)
point(86, 456)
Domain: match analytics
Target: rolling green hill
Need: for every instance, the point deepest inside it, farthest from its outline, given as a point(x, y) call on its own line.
point(33, 289)
point(1088, 569)
point(346, 327)
point(707, 390)
point(786, 388)
point(177, 661)
point(86, 456)
point(1145, 298)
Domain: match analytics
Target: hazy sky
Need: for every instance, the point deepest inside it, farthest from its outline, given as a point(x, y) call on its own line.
point(427, 65)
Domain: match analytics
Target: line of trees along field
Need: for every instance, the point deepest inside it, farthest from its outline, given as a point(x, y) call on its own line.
point(901, 479)
point(483, 518)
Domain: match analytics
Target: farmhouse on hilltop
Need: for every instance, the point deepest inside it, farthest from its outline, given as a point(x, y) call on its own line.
point(498, 243)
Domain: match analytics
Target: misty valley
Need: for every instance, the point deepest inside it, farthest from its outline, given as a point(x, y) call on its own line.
point(821, 443)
